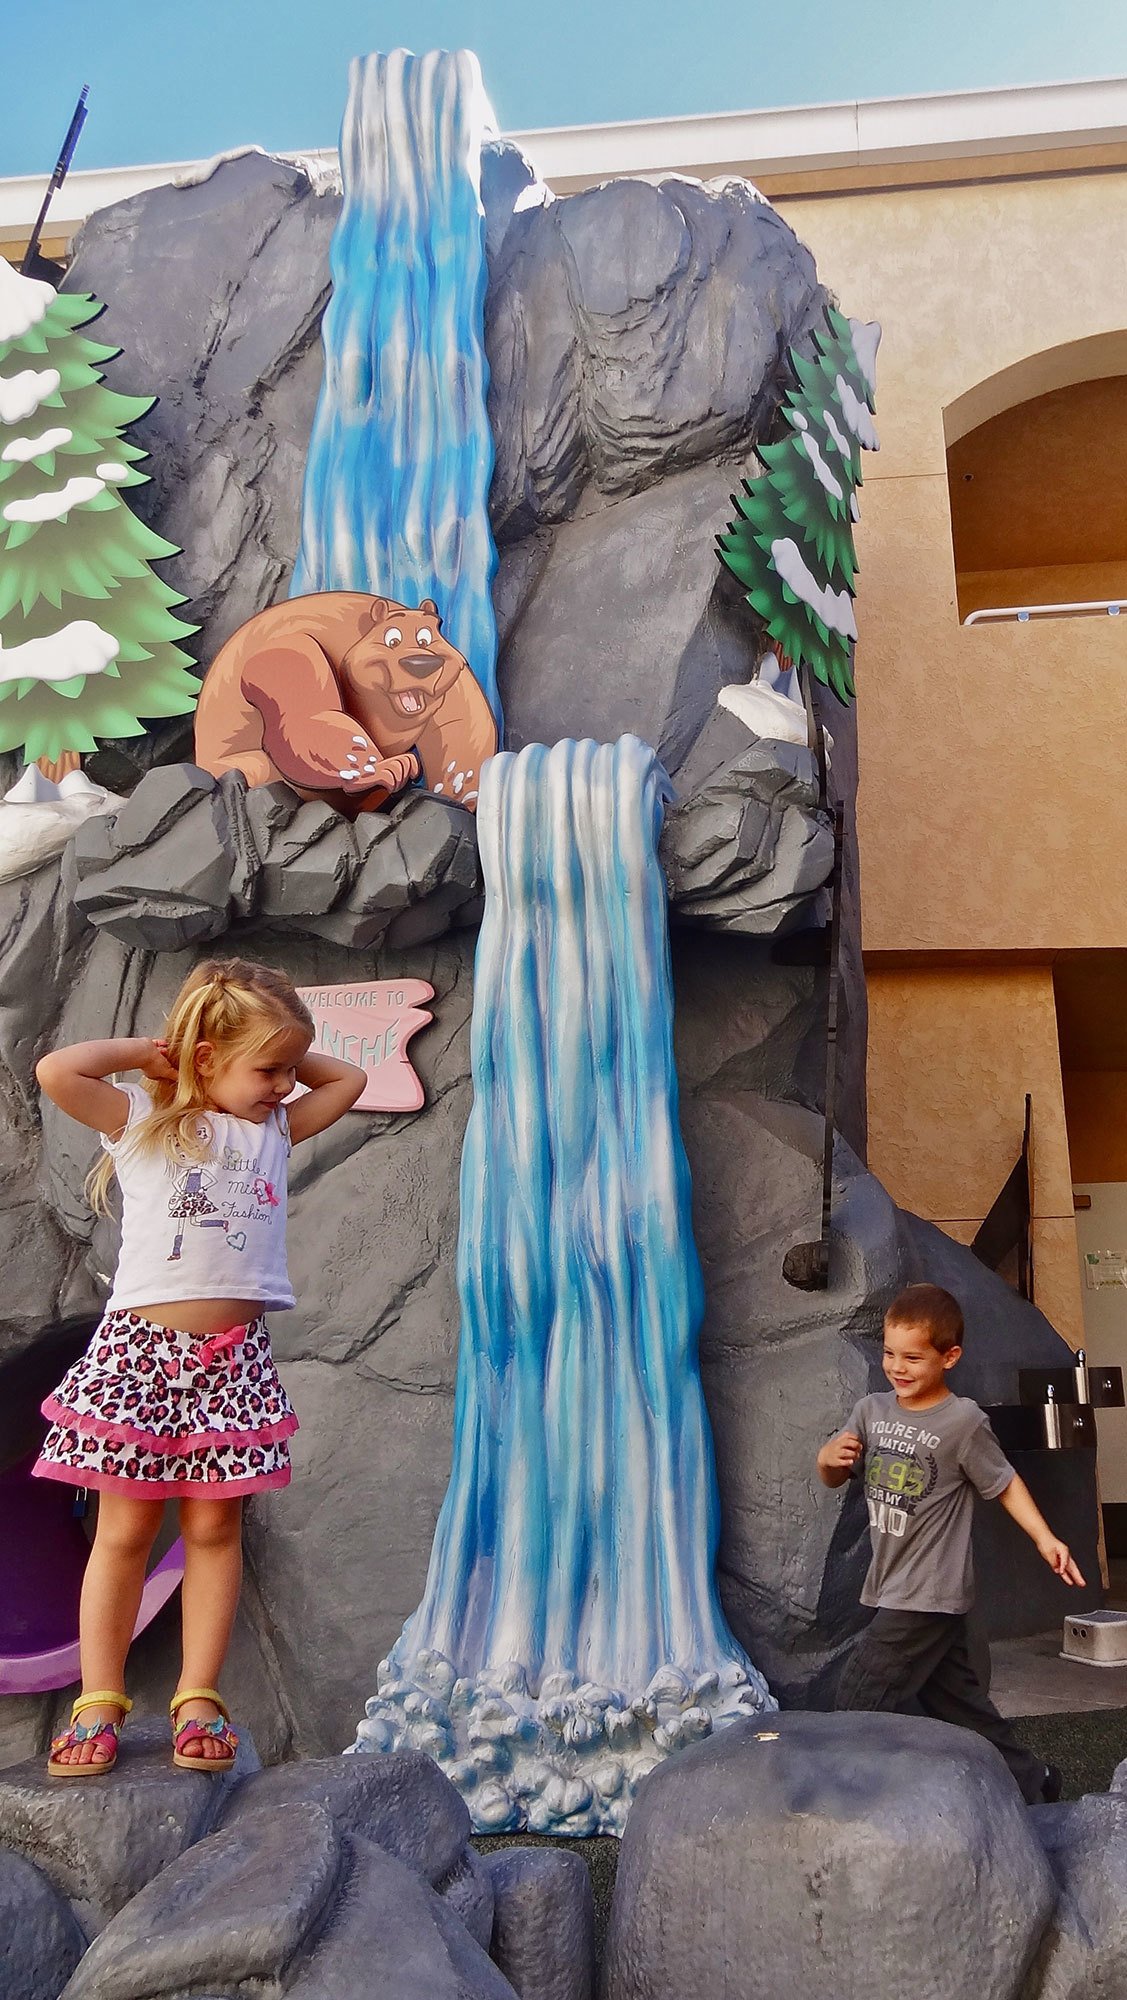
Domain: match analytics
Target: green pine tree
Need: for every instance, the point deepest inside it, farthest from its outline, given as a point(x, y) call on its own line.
point(88, 638)
point(791, 546)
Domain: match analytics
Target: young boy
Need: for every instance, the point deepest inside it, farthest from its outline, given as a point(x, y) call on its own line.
point(923, 1453)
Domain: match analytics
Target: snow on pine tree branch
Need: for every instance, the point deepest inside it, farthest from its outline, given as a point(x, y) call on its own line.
point(89, 639)
point(78, 648)
point(23, 302)
point(791, 544)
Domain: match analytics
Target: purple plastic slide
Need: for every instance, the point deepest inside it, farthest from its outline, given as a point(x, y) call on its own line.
point(43, 1553)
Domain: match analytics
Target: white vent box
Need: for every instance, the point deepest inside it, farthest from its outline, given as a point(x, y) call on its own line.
point(1098, 1637)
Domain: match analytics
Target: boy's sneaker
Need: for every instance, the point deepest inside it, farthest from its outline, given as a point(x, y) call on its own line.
point(1053, 1785)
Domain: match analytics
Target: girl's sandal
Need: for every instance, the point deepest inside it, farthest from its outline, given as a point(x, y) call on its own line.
point(220, 1730)
point(102, 1734)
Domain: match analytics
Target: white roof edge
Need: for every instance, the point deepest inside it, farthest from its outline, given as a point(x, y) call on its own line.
point(964, 124)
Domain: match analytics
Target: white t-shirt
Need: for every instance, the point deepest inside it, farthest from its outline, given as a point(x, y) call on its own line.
point(203, 1229)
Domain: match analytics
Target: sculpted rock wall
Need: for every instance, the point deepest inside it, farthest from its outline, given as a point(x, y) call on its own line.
point(635, 337)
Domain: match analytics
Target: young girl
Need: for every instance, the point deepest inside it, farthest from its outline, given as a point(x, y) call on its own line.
point(177, 1395)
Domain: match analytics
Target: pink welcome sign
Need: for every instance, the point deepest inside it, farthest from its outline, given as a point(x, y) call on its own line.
point(370, 1025)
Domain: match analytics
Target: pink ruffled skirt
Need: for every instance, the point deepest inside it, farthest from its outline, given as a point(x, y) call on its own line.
point(158, 1413)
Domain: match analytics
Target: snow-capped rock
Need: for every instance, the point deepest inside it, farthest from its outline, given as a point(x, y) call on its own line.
point(772, 706)
point(38, 817)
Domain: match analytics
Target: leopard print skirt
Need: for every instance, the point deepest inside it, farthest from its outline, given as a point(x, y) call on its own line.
point(162, 1414)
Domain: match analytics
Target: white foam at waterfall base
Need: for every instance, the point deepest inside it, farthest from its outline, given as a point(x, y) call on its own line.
point(566, 1758)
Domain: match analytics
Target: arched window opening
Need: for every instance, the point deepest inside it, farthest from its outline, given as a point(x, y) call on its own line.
point(1038, 496)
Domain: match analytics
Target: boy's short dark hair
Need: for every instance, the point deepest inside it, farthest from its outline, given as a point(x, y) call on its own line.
point(933, 1309)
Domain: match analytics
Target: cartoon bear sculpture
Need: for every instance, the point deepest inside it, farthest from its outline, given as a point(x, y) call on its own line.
point(348, 697)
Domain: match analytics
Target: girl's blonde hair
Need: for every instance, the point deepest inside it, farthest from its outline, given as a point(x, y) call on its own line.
point(236, 1006)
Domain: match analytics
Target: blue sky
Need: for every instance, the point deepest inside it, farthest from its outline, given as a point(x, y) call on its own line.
point(181, 79)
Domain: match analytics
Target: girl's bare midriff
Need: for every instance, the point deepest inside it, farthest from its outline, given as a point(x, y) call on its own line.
point(204, 1317)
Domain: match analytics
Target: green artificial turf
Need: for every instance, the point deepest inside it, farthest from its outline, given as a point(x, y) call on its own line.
point(1086, 1748)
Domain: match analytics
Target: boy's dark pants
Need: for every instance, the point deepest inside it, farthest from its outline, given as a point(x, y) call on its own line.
point(924, 1657)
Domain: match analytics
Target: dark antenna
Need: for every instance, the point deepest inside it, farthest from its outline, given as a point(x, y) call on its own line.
point(35, 266)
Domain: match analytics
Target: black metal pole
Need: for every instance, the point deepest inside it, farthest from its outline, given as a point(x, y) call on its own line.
point(62, 164)
point(807, 1265)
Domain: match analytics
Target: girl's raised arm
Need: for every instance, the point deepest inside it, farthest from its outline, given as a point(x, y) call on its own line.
point(332, 1088)
point(74, 1078)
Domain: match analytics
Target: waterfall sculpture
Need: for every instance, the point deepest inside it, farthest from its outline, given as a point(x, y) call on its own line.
point(570, 1633)
point(397, 477)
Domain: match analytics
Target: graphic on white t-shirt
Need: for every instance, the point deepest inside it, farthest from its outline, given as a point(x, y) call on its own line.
point(191, 1205)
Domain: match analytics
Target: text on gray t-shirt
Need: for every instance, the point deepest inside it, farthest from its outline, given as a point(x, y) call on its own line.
point(921, 1470)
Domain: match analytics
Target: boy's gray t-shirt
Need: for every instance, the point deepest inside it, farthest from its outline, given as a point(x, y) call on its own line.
point(921, 1470)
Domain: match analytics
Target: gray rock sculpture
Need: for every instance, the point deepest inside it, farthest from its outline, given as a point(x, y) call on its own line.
point(221, 309)
point(403, 1804)
point(630, 624)
point(633, 330)
point(286, 1902)
point(100, 1841)
point(41, 1940)
point(1083, 1955)
point(664, 648)
point(325, 1877)
point(748, 850)
point(673, 308)
point(468, 1893)
point(543, 1923)
point(835, 1851)
point(189, 856)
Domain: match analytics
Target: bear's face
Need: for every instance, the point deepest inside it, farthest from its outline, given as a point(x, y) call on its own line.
point(399, 671)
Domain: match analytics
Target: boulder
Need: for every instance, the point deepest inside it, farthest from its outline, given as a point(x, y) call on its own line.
point(403, 1804)
point(827, 1854)
point(190, 855)
point(236, 1907)
point(748, 850)
point(468, 1894)
point(632, 329)
point(99, 1841)
point(285, 1902)
point(1083, 1955)
point(543, 1922)
point(41, 1940)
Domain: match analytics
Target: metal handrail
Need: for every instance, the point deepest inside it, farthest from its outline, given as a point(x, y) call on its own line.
point(1024, 612)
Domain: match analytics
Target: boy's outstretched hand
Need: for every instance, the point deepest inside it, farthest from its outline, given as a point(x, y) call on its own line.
point(1060, 1561)
point(838, 1457)
point(1020, 1505)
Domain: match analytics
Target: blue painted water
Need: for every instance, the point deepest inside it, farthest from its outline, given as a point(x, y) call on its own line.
point(401, 455)
point(572, 1571)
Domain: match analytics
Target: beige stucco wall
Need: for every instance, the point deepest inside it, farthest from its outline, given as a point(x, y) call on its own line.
point(990, 814)
point(952, 1053)
point(984, 824)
